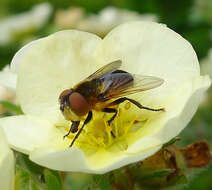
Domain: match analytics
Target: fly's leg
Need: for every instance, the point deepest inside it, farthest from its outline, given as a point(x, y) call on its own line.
point(111, 110)
point(120, 100)
point(73, 128)
point(88, 118)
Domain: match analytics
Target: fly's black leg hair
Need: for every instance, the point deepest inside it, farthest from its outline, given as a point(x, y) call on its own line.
point(73, 128)
point(88, 118)
point(111, 110)
point(120, 100)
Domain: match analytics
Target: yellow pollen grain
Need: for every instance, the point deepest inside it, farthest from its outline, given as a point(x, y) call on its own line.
point(127, 105)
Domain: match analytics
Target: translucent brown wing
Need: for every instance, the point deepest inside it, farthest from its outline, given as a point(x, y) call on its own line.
point(109, 68)
point(123, 84)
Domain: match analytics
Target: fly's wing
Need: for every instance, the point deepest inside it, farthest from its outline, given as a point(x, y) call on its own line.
point(124, 84)
point(109, 68)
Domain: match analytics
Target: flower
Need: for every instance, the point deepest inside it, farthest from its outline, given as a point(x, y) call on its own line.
point(7, 86)
point(111, 17)
point(14, 26)
point(66, 19)
point(6, 164)
point(48, 66)
point(101, 23)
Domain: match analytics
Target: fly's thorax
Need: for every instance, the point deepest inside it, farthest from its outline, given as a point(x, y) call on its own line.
point(89, 89)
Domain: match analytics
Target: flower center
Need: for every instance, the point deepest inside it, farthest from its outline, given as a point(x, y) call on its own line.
point(99, 134)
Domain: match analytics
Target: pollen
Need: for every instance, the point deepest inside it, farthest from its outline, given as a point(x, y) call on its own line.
point(98, 134)
point(127, 105)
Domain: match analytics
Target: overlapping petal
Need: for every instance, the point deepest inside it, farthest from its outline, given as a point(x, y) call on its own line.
point(152, 49)
point(74, 159)
point(8, 80)
point(26, 133)
point(7, 170)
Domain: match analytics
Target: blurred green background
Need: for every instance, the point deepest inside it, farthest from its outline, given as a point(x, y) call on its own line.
point(190, 18)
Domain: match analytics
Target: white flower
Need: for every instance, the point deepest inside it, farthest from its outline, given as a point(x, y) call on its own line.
point(69, 18)
point(25, 22)
point(6, 164)
point(111, 17)
point(7, 86)
point(48, 66)
point(8, 78)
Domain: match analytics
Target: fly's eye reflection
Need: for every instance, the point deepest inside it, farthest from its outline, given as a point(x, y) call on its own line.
point(62, 107)
point(101, 91)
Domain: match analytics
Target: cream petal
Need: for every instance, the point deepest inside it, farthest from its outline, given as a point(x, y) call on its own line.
point(180, 108)
point(7, 169)
point(25, 133)
point(148, 48)
point(73, 159)
point(18, 57)
point(52, 65)
point(8, 80)
point(142, 143)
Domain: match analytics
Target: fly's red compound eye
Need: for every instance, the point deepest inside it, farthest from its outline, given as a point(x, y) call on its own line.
point(78, 104)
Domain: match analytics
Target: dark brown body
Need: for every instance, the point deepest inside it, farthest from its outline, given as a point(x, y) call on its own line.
point(97, 92)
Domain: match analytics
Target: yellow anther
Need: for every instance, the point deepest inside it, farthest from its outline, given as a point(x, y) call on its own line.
point(127, 105)
point(98, 134)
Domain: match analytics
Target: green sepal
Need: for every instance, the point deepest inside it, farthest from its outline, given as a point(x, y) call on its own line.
point(172, 141)
point(154, 174)
point(11, 107)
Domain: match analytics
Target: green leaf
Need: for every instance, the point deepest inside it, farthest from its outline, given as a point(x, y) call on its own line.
point(172, 141)
point(24, 181)
point(23, 161)
point(34, 186)
point(178, 180)
point(74, 180)
point(160, 173)
point(94, 182)
point(11, 107)
point(52, 181)
point(101, 182)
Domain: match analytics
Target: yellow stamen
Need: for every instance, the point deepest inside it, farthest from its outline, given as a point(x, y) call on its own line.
point(127, 105)
point(108, 131)
point(99, 135)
